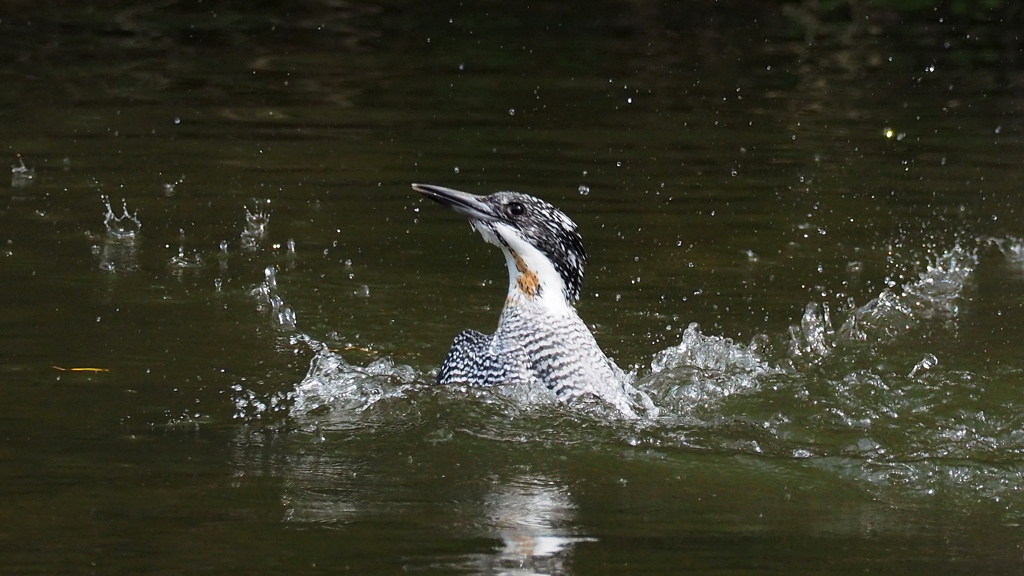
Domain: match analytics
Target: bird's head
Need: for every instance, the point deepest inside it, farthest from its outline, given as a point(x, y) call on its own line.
point(542, 246)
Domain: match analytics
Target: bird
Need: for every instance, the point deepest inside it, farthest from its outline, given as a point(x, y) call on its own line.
point(540, 339)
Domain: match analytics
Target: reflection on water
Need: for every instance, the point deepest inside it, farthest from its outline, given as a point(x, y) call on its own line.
point(535, 518)
point(530, 516)
point(119, 254)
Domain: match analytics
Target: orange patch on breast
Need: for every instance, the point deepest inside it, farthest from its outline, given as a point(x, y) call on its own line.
point(527, 282)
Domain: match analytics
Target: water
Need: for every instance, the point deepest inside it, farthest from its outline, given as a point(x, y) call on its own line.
point(809, 255)
point(21, 175)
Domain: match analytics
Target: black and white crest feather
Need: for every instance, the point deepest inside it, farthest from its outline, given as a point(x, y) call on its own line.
point(549, 230)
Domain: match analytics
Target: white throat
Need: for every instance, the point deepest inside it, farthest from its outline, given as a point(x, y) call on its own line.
point(532, 279)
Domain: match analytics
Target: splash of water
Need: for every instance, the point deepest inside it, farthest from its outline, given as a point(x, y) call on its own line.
point(21, 175)
point(119, 250)
point(827, 392)
point(814, 337)
point(1012, 249)
point(127, 225)
point(269, 300)
point(169, 187)
point(249, 405)
point(334, 385)
point(255, 229)
point(927, 363)
point(703, 370)
point(935, 294)
point(698, 373)
point(182, 261)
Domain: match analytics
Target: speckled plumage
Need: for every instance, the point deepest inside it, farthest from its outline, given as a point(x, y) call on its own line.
point(540, 339)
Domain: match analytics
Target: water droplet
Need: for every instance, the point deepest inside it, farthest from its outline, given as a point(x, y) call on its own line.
point(584, 190)
point(511, 111)
point(927, 363)
point(285, 317)
point(456, 169)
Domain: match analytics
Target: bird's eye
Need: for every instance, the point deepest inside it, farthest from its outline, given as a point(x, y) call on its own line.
point(515, 209)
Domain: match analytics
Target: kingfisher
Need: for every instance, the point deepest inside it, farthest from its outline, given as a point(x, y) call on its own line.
point(540, 339)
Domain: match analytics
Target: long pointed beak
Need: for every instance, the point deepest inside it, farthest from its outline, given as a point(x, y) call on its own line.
point(469, 205)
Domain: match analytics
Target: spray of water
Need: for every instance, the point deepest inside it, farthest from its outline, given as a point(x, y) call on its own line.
point(698, 373)
point(270, 301)
point(119, 250)
point(21, 175)
point(127, 225)
point(255, 231)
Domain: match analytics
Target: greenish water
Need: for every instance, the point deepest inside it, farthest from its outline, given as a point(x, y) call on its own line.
point(840, 219)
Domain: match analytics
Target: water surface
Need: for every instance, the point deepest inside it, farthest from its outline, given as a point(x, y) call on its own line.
point(809, 252)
